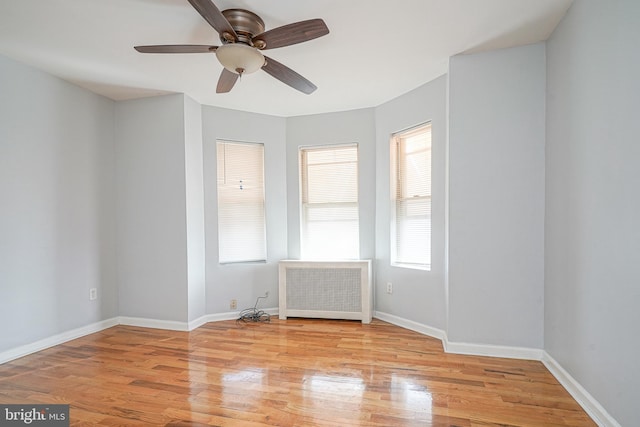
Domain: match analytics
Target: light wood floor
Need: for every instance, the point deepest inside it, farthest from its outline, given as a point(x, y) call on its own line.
point(297, 372)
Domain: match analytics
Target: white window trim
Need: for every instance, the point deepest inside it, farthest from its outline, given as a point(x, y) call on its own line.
point(393, 181)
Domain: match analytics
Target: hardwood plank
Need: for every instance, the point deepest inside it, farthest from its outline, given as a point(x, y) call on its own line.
point(294, 372)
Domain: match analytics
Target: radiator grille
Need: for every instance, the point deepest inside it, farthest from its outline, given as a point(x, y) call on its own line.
point(325, 289)
point(332, 289)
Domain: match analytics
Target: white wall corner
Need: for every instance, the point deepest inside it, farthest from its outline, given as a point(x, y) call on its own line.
point(24, 350)
point(196, 323)
point(591, 406)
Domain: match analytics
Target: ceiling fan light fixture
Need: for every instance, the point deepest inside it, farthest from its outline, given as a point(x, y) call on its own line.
point(240, 58)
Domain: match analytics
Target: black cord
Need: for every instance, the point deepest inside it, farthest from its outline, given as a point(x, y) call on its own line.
point(253, 314)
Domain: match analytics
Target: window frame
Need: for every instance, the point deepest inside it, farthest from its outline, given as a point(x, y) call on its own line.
point(264, 247)
point(304, 204)
point(397, 162)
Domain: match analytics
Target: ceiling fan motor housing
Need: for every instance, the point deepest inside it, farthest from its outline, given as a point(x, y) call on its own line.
point(245, 23)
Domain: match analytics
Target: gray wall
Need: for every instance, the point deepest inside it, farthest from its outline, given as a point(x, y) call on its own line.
point(151, 208)
point(592, 246)
point(356, 126)
point(57, 217)
point(417, 295)
point(245, 282)
point(496, 197)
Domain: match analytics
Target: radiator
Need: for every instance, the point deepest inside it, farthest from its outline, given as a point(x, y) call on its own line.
point(325, 289)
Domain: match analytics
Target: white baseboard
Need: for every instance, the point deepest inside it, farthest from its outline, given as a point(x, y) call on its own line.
point(219, 317)
point(591, 406)
point(171, 325)
point(411, 325)
point(462, 348)
point(493, 350)
point(231, 315)
point(57, 339)
point(196, 323)
point(186, 326)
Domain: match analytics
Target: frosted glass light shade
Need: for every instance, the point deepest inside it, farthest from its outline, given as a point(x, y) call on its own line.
point(240, 58)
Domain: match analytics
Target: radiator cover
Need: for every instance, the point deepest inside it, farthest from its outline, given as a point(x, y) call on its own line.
point(325, 289)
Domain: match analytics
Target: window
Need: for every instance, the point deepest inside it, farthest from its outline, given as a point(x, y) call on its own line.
point(329, 196)
point(241, 219)
point(411, 195)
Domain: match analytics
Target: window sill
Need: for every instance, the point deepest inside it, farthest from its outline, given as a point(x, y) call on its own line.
point(422, 267)
point(243, 262)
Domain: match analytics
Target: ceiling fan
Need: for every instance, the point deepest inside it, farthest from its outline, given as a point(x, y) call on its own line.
point(243, 37)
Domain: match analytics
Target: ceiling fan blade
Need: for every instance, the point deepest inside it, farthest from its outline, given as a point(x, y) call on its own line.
point(176, 48)
point(289, 77)
point(287, 35)
point(226, 81)
point(215, 18)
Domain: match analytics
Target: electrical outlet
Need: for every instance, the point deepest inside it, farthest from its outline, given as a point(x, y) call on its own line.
point(93, 294)
point(389, 287)
point(234, 304)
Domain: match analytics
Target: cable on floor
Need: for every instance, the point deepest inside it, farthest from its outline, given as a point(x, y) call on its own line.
point(254, 314)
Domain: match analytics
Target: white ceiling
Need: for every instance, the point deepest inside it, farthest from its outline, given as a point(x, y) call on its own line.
point(376, 50)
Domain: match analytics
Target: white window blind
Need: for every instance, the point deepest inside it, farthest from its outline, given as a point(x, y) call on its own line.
point(329, 195)
point(241, 218)
point(411, 193)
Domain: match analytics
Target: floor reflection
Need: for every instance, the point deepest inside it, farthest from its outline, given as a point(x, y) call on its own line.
point(406, 393)
point(335, 385)
point(242, 390)
point(252, 375)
